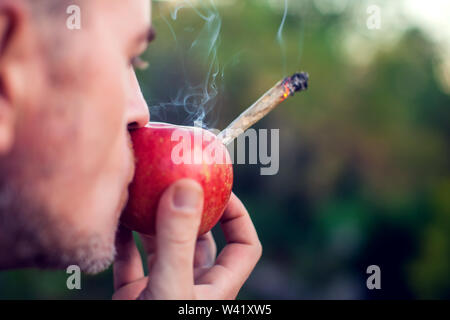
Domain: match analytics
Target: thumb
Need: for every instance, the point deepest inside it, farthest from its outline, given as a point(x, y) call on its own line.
point(177, 224)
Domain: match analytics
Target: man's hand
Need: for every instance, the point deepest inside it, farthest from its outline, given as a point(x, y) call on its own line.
point(181, 265)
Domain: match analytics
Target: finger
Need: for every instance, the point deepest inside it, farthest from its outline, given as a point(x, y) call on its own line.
point(177, 224)
point(205, 254)
point(131, 291)
point(127, 264)
point(148, 243)
point(205, 251)
point(240, 255)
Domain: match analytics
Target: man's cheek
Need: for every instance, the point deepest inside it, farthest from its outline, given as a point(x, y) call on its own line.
point(112, 100)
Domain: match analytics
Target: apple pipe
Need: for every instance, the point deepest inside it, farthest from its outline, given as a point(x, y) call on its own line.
point(156, 170)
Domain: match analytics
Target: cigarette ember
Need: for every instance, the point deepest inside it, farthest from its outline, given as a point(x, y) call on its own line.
point(271, 99)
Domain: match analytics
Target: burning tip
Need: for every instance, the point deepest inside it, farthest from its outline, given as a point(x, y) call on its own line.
point(298, 82)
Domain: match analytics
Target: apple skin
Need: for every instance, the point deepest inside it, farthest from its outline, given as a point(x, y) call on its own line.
point(156, 170)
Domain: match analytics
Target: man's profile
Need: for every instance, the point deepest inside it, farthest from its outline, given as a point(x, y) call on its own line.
point(68, 99)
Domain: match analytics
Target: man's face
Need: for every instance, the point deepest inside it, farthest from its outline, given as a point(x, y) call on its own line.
point(70, 162)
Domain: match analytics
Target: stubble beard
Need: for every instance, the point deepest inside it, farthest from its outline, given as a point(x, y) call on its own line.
point(32, 236)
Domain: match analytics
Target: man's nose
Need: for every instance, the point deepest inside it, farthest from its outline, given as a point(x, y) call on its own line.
point(138, 114)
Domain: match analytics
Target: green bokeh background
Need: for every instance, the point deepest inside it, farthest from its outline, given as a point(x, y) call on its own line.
point(364, 153)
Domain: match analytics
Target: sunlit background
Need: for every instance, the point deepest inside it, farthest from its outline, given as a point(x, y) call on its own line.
point(364, 153)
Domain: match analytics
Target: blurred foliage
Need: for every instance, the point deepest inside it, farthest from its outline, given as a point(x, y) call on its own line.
point(364, 153)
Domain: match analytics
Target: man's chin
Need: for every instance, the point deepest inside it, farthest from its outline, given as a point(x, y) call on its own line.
point(96, 257)
point(97, 266)
point(92, 256)
point(37, 237)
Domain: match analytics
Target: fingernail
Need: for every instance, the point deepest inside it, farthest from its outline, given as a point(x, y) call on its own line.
point(186, 198)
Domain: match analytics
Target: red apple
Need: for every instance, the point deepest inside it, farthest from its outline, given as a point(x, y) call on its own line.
point(165, 153)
